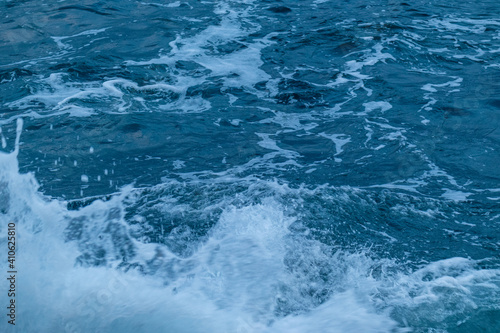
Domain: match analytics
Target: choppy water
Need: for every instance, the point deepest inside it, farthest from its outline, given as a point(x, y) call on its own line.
point(252, 166)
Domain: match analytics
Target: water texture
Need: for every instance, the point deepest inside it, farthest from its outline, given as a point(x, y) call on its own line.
point(251, 166)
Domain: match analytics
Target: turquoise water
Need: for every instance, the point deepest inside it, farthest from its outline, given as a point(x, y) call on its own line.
point(251, 166)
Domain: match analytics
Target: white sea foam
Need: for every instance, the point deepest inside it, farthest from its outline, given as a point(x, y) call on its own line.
point(240, 69)
point(61, 45)
point(61, 96)
point(292, 121)
point(455, 195)
point(4, 142)
point(237, 69)
point(433, 88)
point(230, 283)
point(339, 140)
point(371, 106)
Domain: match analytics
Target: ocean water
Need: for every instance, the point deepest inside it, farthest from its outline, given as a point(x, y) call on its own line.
point(251, 166)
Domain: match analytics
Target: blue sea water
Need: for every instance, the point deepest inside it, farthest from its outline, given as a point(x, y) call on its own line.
point(251, 166)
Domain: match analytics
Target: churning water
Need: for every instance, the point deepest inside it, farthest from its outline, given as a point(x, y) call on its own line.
point(251, 166)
